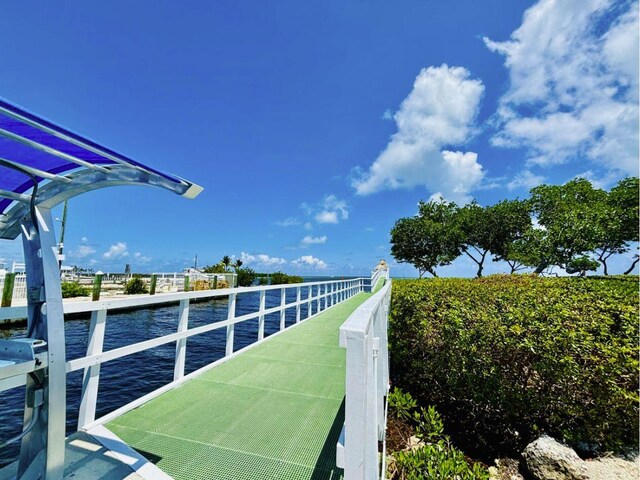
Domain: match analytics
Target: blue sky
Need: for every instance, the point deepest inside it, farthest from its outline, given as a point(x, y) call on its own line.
point(313, 126)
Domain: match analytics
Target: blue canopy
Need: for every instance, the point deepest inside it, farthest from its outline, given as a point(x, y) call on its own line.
point(63, 164)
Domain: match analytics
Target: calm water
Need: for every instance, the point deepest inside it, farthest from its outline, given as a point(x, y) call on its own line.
point(125, 379)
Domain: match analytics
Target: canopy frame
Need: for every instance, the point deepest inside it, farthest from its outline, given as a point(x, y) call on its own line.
point(25, 209)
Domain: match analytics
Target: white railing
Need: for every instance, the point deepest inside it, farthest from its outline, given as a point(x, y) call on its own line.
point(319, 296)
point(364, 335)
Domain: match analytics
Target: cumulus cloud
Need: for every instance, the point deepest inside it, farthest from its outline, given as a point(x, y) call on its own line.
point(330, 210)
point(309, 261)
point(261, 259)
point(439, 113)
point(526, 180)
point(83, 251)
point(117, 251)
point(309, 240)
point(573, 94)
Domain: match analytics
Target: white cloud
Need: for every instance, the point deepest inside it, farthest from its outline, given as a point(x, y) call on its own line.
point(525, 179)
point(261, 259)
point(573, 95)
point(309, 240)
point(309, 261)
point(84, 250)
point(141, 258)
point(117, 251)
point(288, 222)
point(308, 226)
point(330, 210)
point(438, 113)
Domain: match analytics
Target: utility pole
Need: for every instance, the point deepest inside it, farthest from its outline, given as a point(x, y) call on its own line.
point(195, 263)
point(61, 244)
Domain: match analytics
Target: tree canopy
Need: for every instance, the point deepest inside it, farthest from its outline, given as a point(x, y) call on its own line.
point(574, 226)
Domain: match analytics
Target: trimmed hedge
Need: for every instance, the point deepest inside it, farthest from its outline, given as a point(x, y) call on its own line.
point(505, 358)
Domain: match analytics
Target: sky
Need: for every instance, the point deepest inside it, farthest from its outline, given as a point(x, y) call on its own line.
point(314, 126)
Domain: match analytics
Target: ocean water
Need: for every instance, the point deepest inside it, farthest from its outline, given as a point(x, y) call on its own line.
point(125, 379)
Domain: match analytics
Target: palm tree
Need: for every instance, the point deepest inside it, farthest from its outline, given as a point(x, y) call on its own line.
point(226, 261)
point(237, 265)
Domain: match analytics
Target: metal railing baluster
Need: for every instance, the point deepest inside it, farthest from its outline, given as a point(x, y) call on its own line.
point(91, 378)
point(181, 345)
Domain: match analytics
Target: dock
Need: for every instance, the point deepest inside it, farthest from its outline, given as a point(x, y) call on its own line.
point(273, 412)
point(275, 409)
point(308, 401)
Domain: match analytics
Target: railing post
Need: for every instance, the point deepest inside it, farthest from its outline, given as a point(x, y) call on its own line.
point(283, 299)
point(230, 328)
point(298, 305)
point(97, 286)
point(261, 317)
point(356, 407)
point(91, 378)
point(181, 345)
point(7, 289)
point(309, 301)
point(154, 283)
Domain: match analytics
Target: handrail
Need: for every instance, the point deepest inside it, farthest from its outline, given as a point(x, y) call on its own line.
point(364, 335)
point(319, 297)
point(161, 298)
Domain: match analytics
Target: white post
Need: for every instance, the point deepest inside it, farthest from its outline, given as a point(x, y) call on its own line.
point(91, 378)
point(283, 295)
point(355, 407)
point(298, 305)
point(309, 301)
point(261, 317)
point(181, 345)
point(231, 315)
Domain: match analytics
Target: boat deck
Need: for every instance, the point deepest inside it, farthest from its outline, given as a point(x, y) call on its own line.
point(275, 411)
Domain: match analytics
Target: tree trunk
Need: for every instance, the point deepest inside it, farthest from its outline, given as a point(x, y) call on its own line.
point(481, 264)
point(633, 265)
point(604, 264)
point(540, 268)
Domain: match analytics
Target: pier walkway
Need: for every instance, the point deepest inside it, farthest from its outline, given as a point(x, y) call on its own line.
point(273, 412)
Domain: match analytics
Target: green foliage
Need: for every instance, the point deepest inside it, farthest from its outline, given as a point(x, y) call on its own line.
point(401, 404)
point(135, 286)
point(581, 265)
point(505, 358)
point(246, 277)
point(428, 240)
point(429, 426)
point(437, 458)
point(437, 461)
point(217, 268)
point(74, 289)
point(574, 221)
point(570, 215)
point(279, 278)
point(226, 261)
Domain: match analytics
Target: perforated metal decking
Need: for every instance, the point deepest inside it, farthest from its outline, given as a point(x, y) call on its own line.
point(273, 412)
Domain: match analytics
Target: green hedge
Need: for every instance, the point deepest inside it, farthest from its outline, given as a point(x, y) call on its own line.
point(505, 358)
point(74, 289)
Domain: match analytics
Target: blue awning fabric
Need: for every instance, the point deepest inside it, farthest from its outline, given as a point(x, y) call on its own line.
point(64, 164)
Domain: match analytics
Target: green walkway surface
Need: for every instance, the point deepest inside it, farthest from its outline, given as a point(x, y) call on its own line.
point(273, 412)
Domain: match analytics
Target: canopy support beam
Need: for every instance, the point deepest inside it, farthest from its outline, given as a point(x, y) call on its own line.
point(42, 449)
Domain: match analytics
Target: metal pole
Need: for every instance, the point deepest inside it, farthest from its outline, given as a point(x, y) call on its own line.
point(42, 450)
